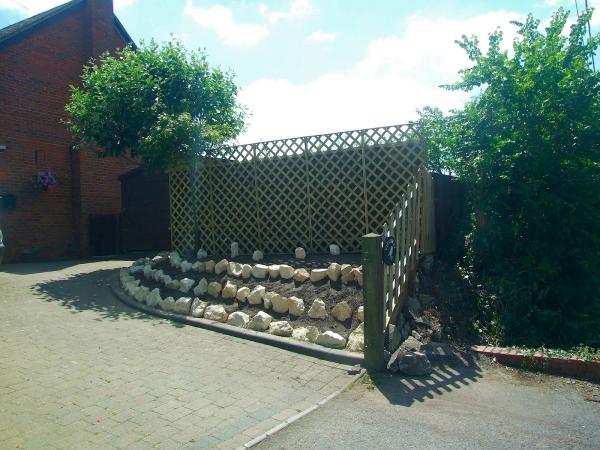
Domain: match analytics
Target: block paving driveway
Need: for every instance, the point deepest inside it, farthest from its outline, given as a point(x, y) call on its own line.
point(78, 369)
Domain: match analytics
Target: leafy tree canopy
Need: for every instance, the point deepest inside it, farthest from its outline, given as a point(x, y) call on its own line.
point(527, 146)
point(160, 103)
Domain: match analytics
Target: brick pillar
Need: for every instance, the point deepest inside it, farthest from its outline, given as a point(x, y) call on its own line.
point(99, 26)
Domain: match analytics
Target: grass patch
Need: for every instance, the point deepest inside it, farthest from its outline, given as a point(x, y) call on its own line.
point(582, 351)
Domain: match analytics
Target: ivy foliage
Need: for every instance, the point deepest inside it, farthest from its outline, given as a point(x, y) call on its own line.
point(527, 146)
point(160, 103)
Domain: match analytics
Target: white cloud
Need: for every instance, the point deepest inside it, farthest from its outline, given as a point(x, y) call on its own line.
point(29, 7)
point(320, 36)
point(220, 19)
point(298, 9)
point(398, 75)
point(118, 4)
point(569, 4)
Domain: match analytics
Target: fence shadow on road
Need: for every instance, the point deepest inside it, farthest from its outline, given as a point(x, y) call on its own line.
point(89, 291)
point(447, 376)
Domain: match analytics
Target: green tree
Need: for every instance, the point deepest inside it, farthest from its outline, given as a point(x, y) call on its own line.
point(160, 103)
point(528, 148)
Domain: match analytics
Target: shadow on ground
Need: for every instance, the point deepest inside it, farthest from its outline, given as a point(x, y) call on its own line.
point(90, 291)
point(447, 376)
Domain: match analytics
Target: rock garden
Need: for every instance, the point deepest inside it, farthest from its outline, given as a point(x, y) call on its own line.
point(315, 299)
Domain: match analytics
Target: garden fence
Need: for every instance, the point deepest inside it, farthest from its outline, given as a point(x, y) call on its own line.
point(308, 191)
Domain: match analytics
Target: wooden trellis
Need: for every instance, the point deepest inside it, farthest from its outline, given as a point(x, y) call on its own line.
point(309, 191)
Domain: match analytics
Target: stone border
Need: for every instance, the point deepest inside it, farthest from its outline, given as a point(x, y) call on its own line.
point(571, 367)
point(339, 356)
point(257, 440)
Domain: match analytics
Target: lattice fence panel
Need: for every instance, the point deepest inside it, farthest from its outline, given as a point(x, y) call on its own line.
point(282, 195)
point(232, 189)
point(182, 211)
point(392, 157)
point(403, 224)
point(337, 194)
point(310, 191)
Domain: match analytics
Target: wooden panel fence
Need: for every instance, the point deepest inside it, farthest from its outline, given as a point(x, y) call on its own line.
point(412, 226)
point(309, 191)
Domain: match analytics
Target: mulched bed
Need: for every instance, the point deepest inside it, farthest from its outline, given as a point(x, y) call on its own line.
point(330, 292)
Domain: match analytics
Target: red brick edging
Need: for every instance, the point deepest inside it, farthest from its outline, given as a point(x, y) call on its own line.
point(573, 367)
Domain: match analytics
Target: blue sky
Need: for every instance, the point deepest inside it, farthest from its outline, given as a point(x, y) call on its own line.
point(313, 66)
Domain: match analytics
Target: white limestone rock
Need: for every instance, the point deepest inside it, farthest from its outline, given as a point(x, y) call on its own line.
point(280, 304)
point(260, 271)
point(172, 284)
point(182, 305)
point(201, 288)
point(209, 266)
point(141, 294)
point(216, 313)
point(201, 253)
point(306, 334)
point(234, 269)
point(356, 340)
point(300, 253)
point(296, 306)
point(198, 266)
point(157, 260)
point(267, 299)
point(230, 290)
point(214, 289)
point(136, 269)
point(221, 266)
point(334, 249)
point(334, 271)
point(246, 271)
point(165, 279)
point(317, 309)
point(274, 270)
point(257, 255)
point(198, 307)
point(148, 271)
point(186, 266)
point(342, 311)
point(360, 313)
point(286, 272)
point(331, 339)
point(157, 275)
point(186, 284)
point(256, 295)
point(318, 275)
point(301, 275)
point(154, 298)
point(260, 322)
point(347, 273)
point(238, 319)
point(167, 304)
point(357, 275)
point(235, 250)
point(242, 294)
point(281, 328)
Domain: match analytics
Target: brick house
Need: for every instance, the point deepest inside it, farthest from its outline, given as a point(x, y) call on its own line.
point(39, 58)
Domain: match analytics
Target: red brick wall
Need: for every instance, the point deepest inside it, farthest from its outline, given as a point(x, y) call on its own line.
point(36, 70)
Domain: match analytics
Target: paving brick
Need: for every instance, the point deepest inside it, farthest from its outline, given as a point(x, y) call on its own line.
point(91, 373)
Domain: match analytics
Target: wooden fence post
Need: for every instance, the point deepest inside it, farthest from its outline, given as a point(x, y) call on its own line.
point(373, 301)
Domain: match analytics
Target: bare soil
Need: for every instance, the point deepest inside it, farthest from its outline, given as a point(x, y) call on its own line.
point(329, 292)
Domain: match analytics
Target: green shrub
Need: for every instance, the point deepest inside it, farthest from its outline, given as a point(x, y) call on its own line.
point(527, 146)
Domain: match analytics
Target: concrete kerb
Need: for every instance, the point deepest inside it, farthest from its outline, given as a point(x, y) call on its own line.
point(257, 440)
point(338, 356)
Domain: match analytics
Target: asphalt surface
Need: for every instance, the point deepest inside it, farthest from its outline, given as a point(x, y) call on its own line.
point(472, 406)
